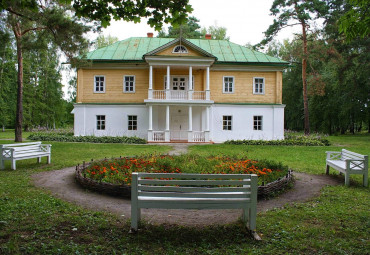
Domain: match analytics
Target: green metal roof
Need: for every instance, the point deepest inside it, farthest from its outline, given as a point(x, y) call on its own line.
point(133, 49)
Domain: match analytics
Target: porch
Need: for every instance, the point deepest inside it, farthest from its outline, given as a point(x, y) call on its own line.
point(178, 123)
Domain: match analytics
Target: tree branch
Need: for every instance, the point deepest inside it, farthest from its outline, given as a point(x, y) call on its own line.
point(33, 29)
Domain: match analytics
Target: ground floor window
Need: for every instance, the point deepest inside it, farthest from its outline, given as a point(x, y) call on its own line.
point(100, 122)
point(257, 122)
point(226, 122)
point(132, 122)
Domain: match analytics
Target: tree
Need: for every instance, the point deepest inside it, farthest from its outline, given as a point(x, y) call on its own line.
point(103, 41)
point(356, 21)
point(302, 12)
point(217, 33)
point(51, 19)
point(157, 12)
point(190, 30)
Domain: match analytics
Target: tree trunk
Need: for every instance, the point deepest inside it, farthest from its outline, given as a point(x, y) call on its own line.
point(3, 128)
point(304, 80)
point(19, 114)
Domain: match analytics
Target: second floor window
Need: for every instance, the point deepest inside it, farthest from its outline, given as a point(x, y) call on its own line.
point(99, 84)
point(228, 84)
point(132, 122)
point(100, 122)
point(258, 85)
point(129, 83)
point(227, 122)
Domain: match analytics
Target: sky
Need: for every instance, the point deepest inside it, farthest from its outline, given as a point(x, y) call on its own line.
point(245, 21)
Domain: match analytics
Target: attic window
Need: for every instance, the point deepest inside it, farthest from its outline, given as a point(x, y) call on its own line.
point(180, 49)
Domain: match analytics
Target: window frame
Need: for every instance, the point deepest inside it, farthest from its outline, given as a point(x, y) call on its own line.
point(134, 123)
point(124, 84)
point(228, 123)
point(101, 124)
point(254, 86)
point(181, 52)
point(178, 76)
point(224, 85)
point(258, 123)
point(95, 91)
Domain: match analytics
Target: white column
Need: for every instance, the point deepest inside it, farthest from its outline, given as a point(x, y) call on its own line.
point(150, 117)
point(168, 78)
point(167, 117)
point(208, 93)
point(190, 130)
point(167, 131)
point(150, 92)
point(191, 78)
point(207, 118)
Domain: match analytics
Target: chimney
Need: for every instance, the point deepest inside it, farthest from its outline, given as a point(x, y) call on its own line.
point(208, 36)
point(150, 34)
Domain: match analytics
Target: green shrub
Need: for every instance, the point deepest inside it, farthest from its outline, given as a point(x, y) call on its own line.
point(300, 140)
point(68, 137)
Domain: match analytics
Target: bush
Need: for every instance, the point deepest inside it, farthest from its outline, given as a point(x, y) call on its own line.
point(299, 140)
point(68, 137)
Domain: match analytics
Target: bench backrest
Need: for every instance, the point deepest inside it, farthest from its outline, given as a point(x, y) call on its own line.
point(195, 185)
point(20, 148)
point(346, 154)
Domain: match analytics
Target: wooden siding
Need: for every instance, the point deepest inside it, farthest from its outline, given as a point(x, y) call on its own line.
point(113, 86)
point(168, 52)
point(243, 85)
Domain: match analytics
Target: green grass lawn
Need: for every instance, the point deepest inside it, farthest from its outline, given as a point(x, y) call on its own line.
point(34, 222)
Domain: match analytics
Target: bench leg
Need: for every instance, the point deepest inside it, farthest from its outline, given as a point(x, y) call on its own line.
point(2, 165)
point(365, 180)
point(135, 218)
point(252, 219)
point(327, 169)
point(49, 159)
point(13, 165)
point(245, 217)
point(39, 160)
point(346, 178)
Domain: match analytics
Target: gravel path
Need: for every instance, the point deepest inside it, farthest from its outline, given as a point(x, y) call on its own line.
point(61, 183)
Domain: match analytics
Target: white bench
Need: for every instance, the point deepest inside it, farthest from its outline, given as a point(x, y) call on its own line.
point(348, 162)
point(195, 191)
point(19, 151)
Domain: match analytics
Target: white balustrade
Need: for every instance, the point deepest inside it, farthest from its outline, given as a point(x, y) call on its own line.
point(198, 136)
point(158, 136)
point(178, 95)
point(199, 95)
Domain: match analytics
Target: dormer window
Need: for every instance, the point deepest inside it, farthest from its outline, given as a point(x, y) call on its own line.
point(180, 49)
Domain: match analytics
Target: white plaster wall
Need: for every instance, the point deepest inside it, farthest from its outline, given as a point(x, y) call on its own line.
point(242, 122)
point(116, 120)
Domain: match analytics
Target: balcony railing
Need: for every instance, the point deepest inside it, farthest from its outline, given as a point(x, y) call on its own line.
point(178, 95)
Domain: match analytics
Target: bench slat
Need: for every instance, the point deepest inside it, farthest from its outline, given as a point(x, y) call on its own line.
point(196, 195)
point(194, 182)
point(193, 189)
point(195, 176)
point(193, 205)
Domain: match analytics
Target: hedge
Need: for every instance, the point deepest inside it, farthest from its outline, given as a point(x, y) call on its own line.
point(41, 136)
point(302, 141)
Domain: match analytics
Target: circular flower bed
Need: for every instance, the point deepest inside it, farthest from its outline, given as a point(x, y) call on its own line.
point(113, 176)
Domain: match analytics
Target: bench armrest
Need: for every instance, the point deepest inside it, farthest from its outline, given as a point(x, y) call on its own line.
point(352, 163)
point(7, 153)
point(46, 147)
point(333, 155)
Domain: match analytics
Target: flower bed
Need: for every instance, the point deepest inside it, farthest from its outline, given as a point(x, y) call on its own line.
point(113, 176)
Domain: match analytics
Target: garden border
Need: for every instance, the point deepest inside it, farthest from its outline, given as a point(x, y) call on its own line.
point(122, 190)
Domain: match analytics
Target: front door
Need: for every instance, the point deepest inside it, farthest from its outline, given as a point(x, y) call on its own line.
point(179, 127)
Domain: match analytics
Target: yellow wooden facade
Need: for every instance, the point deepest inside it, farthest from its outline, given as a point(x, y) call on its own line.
point(114, 92)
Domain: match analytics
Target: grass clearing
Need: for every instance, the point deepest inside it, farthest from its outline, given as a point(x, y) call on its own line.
point(34, 222)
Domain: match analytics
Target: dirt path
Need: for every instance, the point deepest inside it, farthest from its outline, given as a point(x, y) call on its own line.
point(62, 184)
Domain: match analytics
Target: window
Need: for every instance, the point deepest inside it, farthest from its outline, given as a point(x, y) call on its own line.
point(180, 49)
point(258, 85)
point(132, 122)
point(99, 84)
point(100, 122)
point(257, 122)
point(129, 84)
point(226, 123)
point(228, 84)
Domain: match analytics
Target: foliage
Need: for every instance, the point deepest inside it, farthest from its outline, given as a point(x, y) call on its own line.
point(103, 41)
point(119, 171)
point(356, 21)
point(217, 33)
point(190, 30)
point(157, 12)
point(69, 137)
point(298, 141)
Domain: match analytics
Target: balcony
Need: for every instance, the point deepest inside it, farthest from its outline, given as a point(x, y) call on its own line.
point(177, 95)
